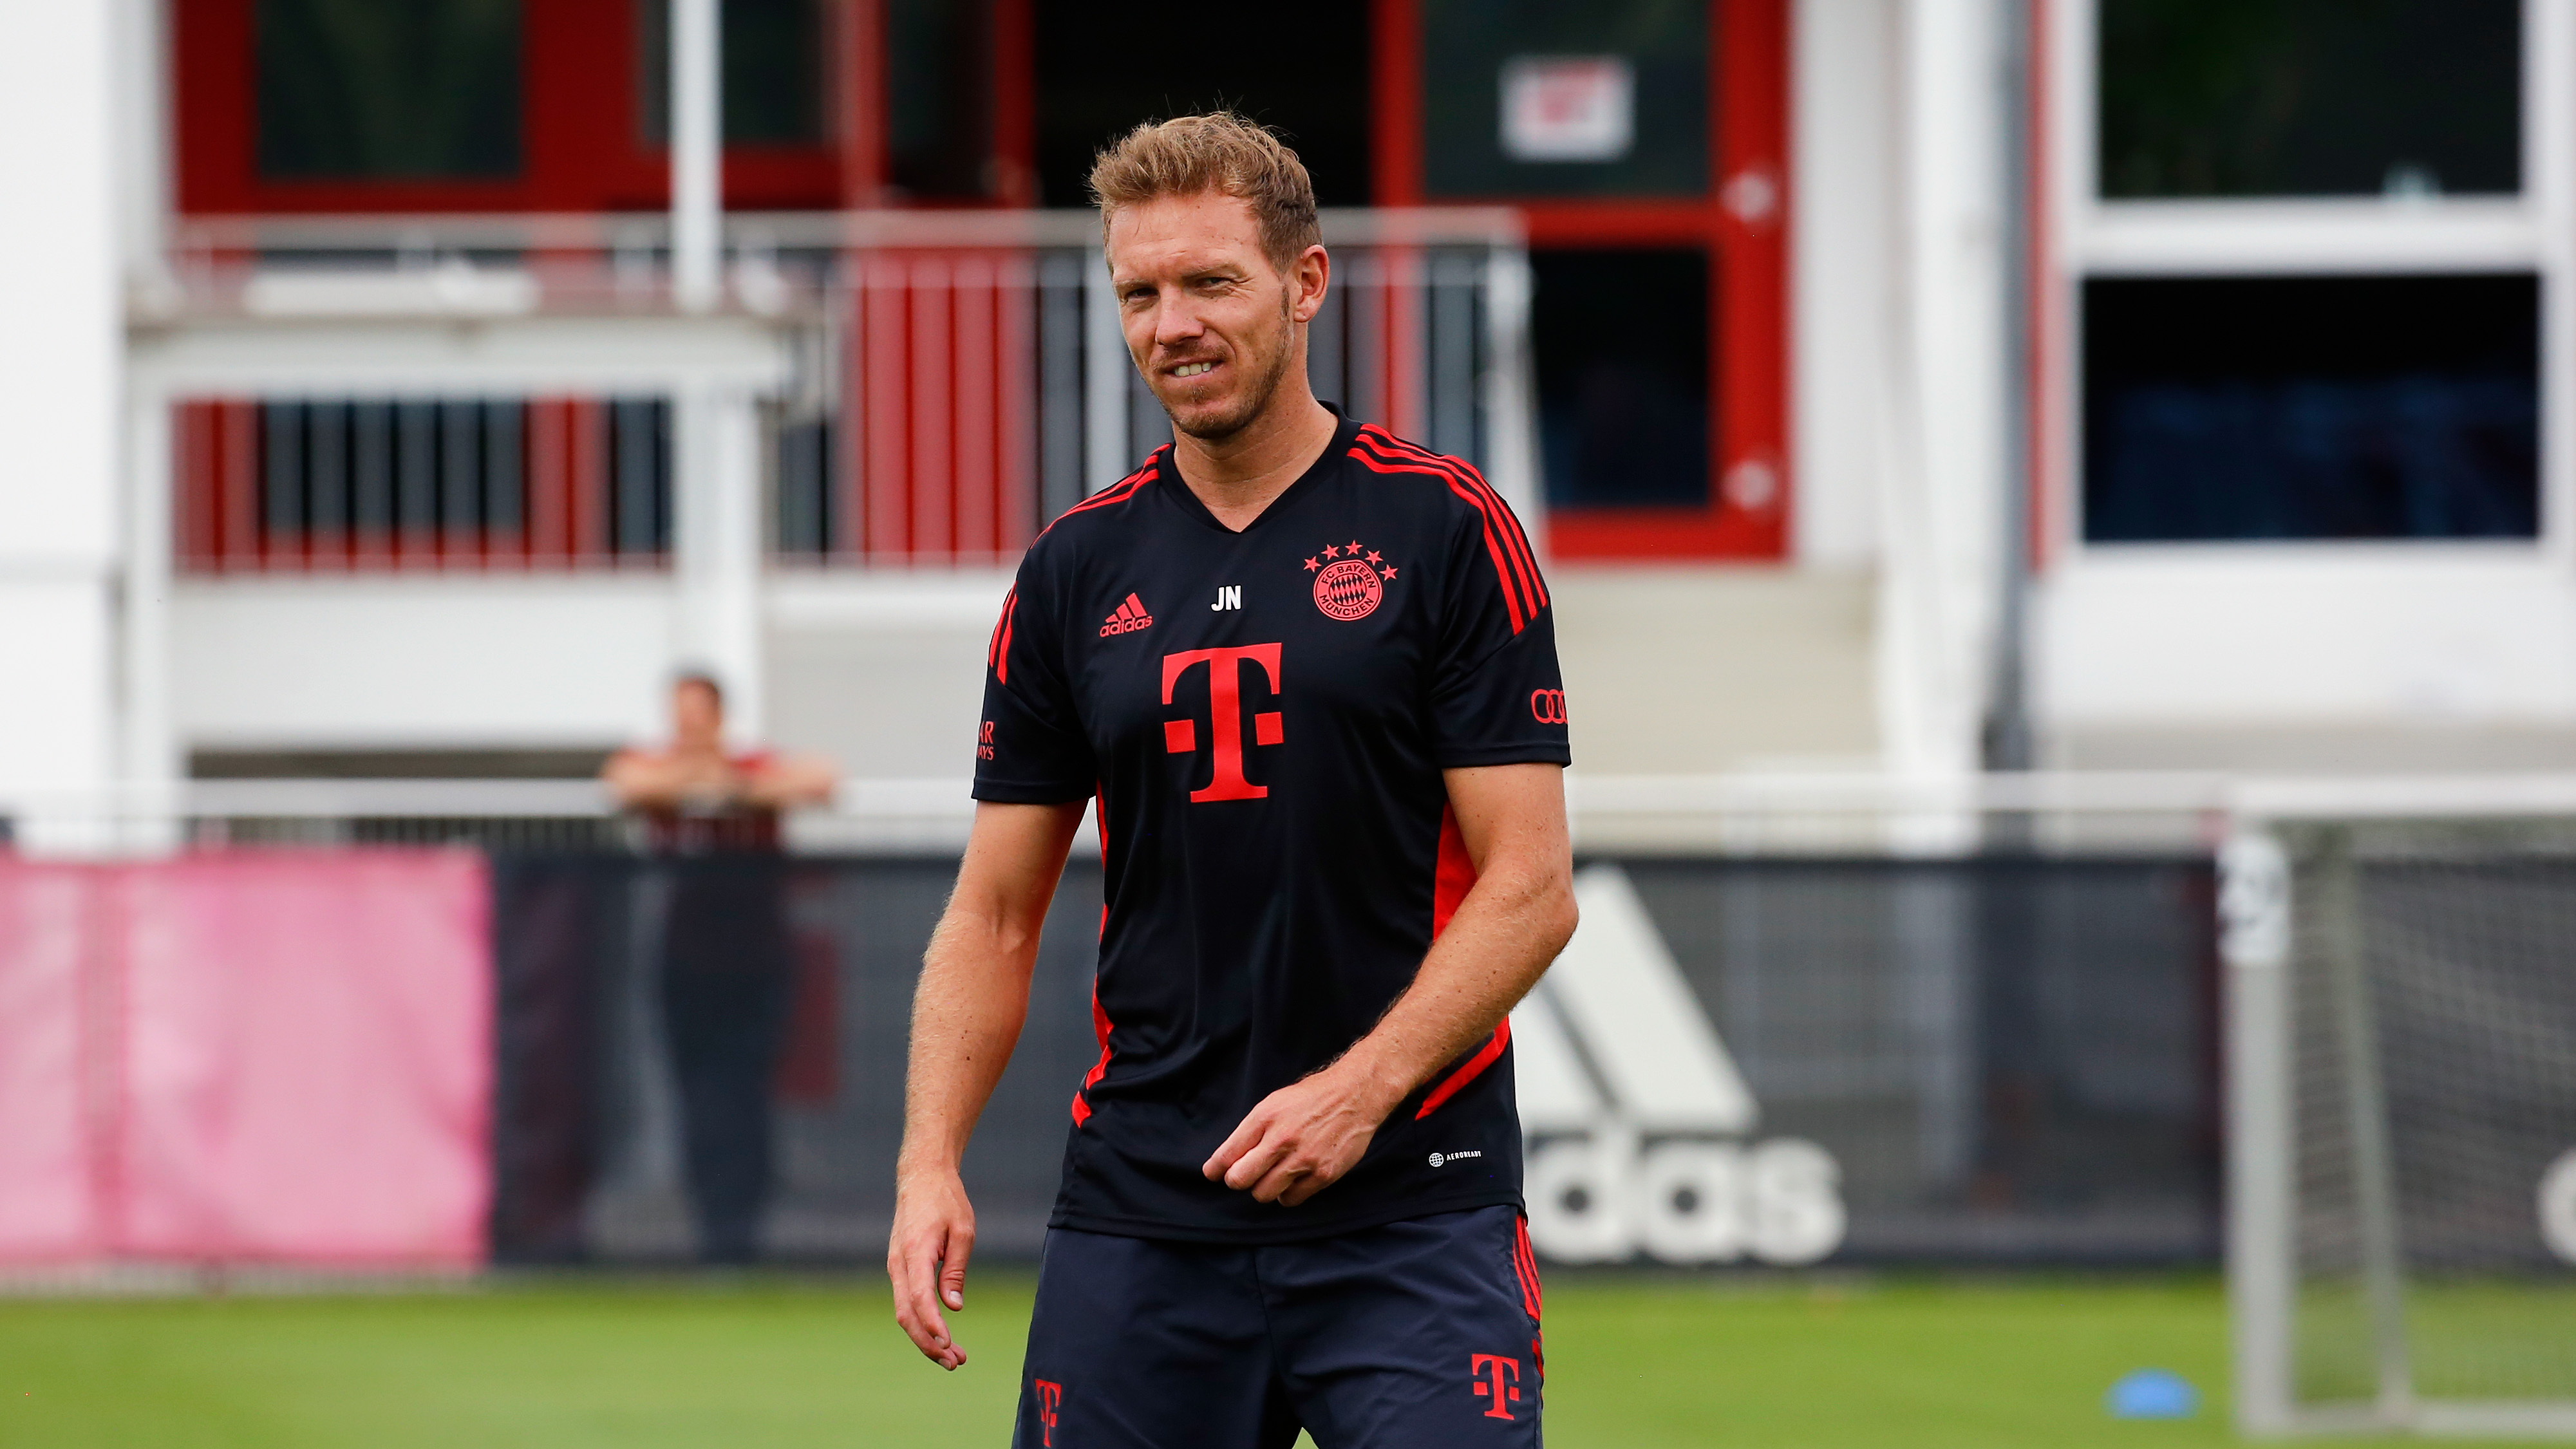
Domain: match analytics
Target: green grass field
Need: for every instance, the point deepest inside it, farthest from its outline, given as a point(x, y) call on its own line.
point(638, 1364)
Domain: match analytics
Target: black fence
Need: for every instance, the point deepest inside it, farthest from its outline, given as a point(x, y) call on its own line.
point(2004, 1060)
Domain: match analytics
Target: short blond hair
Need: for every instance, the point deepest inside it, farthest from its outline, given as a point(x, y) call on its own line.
point(1219, 151)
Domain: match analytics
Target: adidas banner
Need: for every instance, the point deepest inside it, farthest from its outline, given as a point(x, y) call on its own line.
point(1736, 1062)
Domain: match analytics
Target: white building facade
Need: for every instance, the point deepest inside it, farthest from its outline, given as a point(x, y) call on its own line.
point(372, 462)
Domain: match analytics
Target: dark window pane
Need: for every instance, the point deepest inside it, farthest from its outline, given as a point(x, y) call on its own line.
point(1657, 51)
point(939, 99)
point(2311, 408)
point(1621, 344)
point(2310, 97)
point(772, 58)
point(388, 89)
point(805, 478)
point(639, 471)
point(1104, 65)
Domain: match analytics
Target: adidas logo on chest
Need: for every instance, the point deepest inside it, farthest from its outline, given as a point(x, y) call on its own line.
point(1130, 616)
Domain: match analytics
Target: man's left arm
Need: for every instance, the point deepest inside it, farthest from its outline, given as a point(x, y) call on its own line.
point(1518, 915)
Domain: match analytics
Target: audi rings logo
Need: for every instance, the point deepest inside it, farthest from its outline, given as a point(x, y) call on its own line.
point(1547, 706)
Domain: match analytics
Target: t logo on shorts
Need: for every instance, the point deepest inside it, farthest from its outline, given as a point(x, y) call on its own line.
point(1486, 1373)
point(1050, 1399)
point(1225, 725)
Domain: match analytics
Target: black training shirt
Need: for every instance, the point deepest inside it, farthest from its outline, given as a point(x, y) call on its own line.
point(1264, 717)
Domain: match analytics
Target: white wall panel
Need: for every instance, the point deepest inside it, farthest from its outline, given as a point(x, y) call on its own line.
point(2278, 637)
point(384, 663)
point(1842, 271)
point(56, 664)
point(60, 345)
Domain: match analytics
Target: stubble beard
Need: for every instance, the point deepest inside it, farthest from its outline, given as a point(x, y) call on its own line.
point(1254, 401)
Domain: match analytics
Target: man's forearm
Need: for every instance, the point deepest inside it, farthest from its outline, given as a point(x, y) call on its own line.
point(1506, 931)
point(966, 1017)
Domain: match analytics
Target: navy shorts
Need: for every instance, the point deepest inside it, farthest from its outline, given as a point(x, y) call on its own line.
point(1423, 1332)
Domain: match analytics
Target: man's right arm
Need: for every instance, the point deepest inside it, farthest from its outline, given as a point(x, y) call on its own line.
point(966, 1017)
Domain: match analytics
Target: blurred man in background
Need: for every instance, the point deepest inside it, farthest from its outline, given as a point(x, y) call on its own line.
point(727, 971)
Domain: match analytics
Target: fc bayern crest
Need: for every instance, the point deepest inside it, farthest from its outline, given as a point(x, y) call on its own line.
point(1350, 582)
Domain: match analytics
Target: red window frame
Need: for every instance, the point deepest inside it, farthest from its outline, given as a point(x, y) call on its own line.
point(581, 137)
point(1748, 251)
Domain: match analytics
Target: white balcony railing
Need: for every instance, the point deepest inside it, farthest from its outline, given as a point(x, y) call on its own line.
point(950, 379)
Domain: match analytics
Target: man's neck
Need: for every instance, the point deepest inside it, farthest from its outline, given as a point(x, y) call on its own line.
point(1239, 476)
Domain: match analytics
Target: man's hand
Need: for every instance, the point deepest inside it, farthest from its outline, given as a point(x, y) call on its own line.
point(934, 1235)
point(1303, 1137)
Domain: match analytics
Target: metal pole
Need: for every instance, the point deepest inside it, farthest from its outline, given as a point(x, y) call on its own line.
point(2254, 941)
point(2008, 736)
point(1105, 370)
point(1511, 443)
point(2374, 1163)
point(149, 752)
point(697, 157)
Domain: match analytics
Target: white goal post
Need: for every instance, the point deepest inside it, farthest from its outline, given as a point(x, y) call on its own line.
point(2401, 1095)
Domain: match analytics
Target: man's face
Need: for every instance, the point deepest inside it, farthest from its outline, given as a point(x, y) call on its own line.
point(697, 716)
point(1211, 323)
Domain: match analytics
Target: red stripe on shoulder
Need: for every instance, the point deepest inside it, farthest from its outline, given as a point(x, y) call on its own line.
point(1498, 515)
point(1493, 545)
point(1118, 492)
point(1533, 584)
point(1516, 535)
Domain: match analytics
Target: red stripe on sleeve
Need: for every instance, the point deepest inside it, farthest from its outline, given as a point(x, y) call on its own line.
point(997, 655)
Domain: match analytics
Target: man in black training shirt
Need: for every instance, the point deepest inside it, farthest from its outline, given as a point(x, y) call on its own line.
point(1307, 671)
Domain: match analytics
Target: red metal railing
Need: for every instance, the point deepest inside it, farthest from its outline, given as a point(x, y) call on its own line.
point(941, 383)
point(263, 485)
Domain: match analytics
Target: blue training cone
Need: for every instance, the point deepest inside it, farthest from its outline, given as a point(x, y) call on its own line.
point(2152, 1394)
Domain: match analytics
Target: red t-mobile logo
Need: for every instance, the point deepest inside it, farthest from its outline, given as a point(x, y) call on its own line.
point(1050, 1403)
point(1488, 1372)
point(1225, 706)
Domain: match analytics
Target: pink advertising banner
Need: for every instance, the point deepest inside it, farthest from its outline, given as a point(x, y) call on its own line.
point(263, 1056)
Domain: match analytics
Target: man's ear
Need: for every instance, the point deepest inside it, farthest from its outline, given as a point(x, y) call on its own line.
point(1308, 278)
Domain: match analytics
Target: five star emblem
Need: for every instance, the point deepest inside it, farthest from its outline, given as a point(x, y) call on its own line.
point(1374, 558)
